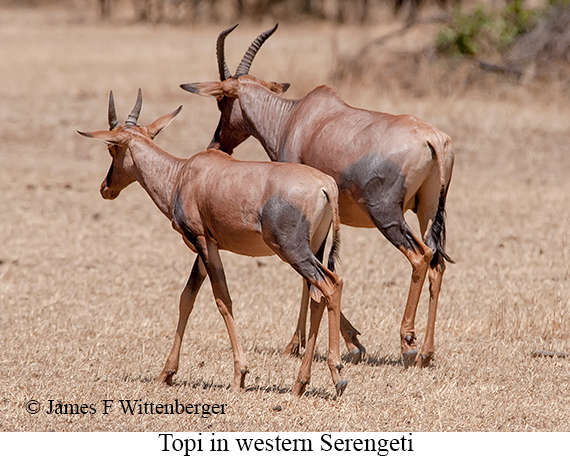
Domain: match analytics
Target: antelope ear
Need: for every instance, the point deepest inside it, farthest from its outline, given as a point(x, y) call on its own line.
point(284, 86)
point(162, 122)
point(209, 89)
point(278, 88)
point(108, 137)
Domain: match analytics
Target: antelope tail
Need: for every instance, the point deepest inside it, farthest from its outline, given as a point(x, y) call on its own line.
point(334, 254)
point(443, 153)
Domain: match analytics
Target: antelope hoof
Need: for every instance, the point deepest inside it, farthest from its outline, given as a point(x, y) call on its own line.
point(292, 349)
point(340, 386)
point(423, 360)
point(238, 383)
point(409, 358)
point(166, 377)
point(355, 349)
point(243, 372)
point(354, 356)
point(299, 388)
point(408, 343)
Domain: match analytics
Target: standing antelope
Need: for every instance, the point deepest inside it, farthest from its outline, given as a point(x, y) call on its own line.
point(251, 208)
point(384, 165)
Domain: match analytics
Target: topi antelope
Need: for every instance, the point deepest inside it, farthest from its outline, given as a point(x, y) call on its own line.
point(383, 164)
point(251, 208)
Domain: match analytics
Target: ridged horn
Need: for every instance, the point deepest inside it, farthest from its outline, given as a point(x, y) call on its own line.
point(134, 116)
point(112, 115)
point(220, 54)
point(245, 64)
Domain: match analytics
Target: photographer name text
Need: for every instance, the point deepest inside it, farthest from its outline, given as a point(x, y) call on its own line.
point(126, 407)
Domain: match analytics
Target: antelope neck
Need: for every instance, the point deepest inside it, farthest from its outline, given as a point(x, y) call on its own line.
point(156, 171)
point(268, 115)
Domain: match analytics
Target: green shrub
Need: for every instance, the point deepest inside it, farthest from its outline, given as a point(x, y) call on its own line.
point(485, 30)
point(462, 35)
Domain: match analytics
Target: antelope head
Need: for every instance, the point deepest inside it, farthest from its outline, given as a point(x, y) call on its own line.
point(118, 138)
point(233, 127)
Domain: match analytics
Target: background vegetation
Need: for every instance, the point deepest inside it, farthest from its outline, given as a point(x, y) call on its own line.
point(456, 41)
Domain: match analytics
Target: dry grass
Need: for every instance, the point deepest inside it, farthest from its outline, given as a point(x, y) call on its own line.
point(89, 288)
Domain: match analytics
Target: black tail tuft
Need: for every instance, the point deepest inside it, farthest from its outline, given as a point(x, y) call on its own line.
point(334, 255)
point(438, 232)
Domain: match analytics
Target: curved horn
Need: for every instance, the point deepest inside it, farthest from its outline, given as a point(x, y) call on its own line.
point(222, 65)
point(134, 116)
point(112, 116)
point(243, 68)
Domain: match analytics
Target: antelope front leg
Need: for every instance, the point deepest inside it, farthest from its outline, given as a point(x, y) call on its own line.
point(299, 337)
point(304, 375)
point(187, 300)
point(213, 263)
point(349, 333)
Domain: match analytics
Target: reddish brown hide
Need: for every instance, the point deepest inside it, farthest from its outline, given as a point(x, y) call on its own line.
point(384, 165)
point(284, 209)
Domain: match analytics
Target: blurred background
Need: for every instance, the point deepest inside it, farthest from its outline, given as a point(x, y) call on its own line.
point(447, 46)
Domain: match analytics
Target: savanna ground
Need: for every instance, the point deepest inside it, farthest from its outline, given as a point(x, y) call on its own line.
point(89, 288)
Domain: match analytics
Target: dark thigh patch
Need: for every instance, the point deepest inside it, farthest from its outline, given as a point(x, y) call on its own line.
point(179, 217)
point(376, 180)
point(381, 187)
point(287, 231)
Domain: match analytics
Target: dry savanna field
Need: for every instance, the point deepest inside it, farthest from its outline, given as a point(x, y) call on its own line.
point(89, 288)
